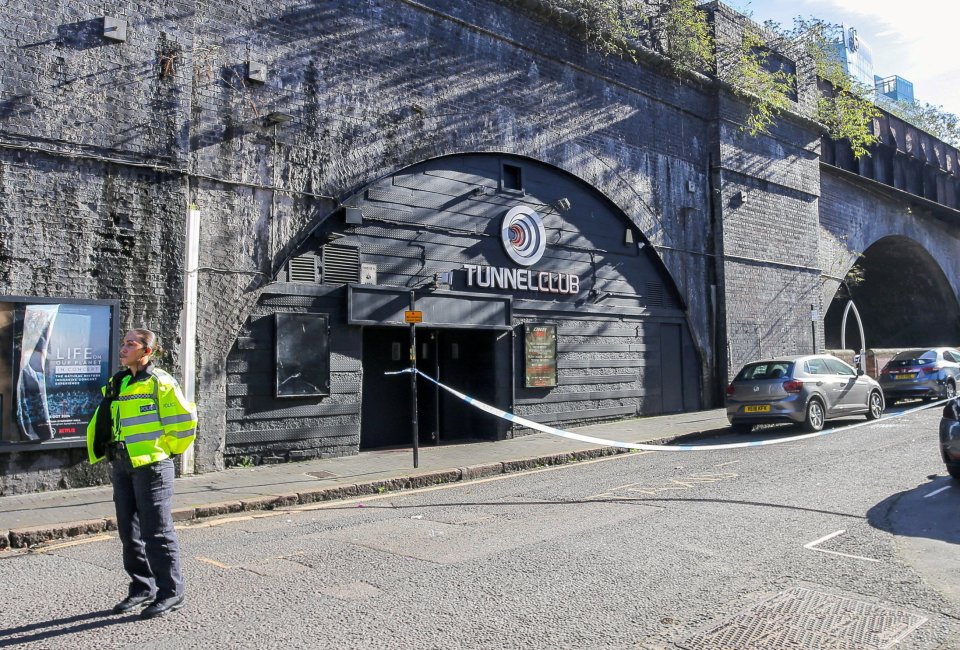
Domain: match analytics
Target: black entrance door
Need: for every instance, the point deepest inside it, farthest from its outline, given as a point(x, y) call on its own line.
point(468, 363)
point(471, 361)
point(671, 368)
point(385, 408)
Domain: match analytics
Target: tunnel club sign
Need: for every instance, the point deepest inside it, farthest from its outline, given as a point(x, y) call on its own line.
point(493, 277)
point(524, 240)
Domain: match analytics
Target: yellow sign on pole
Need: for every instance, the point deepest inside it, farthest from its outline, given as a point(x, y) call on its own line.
point(413, 316)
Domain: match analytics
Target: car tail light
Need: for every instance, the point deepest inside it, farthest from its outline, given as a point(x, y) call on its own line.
point(792, 385)
point(731, 390)
point(931, 369)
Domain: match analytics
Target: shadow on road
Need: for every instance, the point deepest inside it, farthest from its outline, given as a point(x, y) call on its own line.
point(927, 511)
point(52, 629)
point(725, 435)
point(575, 502)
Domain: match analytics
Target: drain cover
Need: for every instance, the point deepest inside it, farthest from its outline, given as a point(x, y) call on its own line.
point(803, 619)
point(321, 474)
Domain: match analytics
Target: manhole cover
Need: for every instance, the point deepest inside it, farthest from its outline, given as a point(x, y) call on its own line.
point(803, 619)
point(321, 474)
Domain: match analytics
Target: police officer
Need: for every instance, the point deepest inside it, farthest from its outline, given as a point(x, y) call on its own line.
point(142, 421)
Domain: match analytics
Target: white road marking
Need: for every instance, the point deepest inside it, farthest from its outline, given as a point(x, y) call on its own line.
point(936, 492)
point(811, 545)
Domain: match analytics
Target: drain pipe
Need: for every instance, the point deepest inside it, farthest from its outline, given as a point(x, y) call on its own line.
point(188, 320)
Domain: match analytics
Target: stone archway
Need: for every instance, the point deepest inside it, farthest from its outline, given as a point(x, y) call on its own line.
point(905, 299)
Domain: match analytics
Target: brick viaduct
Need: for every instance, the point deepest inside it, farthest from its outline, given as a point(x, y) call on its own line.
point(107, 146)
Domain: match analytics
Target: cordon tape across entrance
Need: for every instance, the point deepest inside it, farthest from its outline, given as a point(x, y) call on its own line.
point(524, 422)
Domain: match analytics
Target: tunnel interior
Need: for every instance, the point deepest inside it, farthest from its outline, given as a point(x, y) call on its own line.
point(904, 300)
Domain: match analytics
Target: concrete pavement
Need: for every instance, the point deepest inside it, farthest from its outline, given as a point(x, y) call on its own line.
point(30, 519)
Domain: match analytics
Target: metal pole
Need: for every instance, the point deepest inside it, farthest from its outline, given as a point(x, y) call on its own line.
point(413, 385)
point(813, 330)
point(436, 388)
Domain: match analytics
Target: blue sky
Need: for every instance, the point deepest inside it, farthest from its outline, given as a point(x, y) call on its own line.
point(917, 40)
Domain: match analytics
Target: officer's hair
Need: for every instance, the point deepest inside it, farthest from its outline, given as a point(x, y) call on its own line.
point(149, 340)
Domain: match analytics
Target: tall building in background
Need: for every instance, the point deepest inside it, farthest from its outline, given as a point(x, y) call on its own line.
point(895, 87)
point(854, 54)
point(856, 57)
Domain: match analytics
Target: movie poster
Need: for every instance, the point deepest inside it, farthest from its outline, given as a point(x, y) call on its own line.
point(62, 358)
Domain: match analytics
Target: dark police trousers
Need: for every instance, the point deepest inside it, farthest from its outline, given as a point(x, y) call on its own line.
point(143, 497)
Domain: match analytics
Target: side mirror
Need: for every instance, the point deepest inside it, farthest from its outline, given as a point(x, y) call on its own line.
point(860, 372)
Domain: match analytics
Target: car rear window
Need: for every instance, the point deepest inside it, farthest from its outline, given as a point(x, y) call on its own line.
point(766, 370)
point(913, 358)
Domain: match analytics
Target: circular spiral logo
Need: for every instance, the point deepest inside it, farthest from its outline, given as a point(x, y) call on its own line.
point(523, 236)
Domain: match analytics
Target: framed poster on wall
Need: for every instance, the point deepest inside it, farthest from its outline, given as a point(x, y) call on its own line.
point(55, 354)
point(539, 355)
point(302, 355)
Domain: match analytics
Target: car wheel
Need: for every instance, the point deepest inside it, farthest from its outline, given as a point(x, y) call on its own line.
point(815, 416)
point(950, 391)
point(954, 471)
point(875, 406)
point(741, 427)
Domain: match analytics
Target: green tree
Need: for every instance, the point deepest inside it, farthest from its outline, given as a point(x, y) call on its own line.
point(844, 105)
point(767, 88)
point(681, 31)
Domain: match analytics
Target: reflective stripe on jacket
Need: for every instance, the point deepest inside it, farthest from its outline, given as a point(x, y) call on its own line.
point(150, 416)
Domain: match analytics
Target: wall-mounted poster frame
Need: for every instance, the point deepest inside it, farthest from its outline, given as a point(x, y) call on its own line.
point(302, 354)
point(539, 355)
point(55, 354)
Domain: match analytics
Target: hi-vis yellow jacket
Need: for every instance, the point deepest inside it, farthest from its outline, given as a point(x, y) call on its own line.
point(150, 416)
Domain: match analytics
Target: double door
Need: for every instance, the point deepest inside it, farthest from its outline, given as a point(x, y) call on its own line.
point(474, 362)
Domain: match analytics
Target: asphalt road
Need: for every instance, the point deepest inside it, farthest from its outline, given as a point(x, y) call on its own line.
point(850, 540)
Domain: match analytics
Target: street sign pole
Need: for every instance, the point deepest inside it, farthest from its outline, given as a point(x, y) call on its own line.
point(411, 317)
point(814, 317)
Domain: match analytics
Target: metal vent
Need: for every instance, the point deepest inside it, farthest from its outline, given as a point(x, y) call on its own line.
point(303, 269)
point(341, 264)
point(654, 294)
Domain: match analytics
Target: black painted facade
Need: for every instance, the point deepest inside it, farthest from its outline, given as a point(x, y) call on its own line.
point(624, 343)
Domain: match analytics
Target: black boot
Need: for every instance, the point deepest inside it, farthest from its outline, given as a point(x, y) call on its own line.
point(163, 605)
point(131, 602)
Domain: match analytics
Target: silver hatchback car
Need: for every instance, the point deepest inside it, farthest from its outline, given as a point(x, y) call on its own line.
point(806, 389)
point(930, 373)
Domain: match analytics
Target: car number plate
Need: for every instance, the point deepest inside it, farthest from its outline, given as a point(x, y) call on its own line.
point(906, 375)
point(757, 408)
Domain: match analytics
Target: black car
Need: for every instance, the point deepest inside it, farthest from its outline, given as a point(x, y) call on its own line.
point(950, 438)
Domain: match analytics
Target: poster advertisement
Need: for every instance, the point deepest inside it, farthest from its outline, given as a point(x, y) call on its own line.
point(540, 355)
point(61, 356)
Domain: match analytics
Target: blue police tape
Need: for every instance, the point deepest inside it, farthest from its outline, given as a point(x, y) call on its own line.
point(516, 419)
